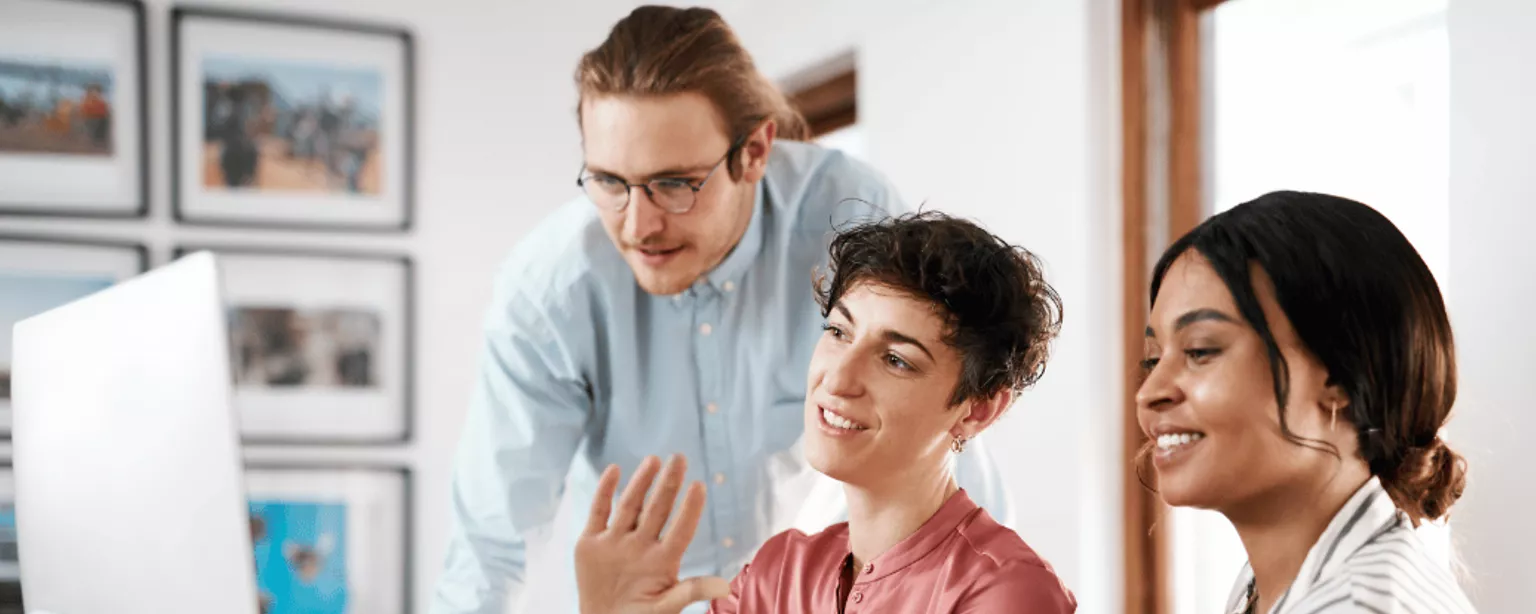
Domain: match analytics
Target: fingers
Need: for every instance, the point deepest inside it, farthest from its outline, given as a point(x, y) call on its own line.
point(703, 588)
point(680, 534)
point(659, 507)
point(602, 502)
point(633, 499)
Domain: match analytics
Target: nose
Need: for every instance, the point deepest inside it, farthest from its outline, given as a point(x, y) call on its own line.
point(643, 218)
point(842, 377)
point(1159, 392)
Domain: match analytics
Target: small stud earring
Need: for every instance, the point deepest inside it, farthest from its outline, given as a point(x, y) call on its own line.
point(957, 444)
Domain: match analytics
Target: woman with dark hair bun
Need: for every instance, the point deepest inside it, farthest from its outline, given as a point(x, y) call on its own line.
point(1299, 366)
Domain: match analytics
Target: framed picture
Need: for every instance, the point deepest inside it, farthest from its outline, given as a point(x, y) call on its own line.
point(10, 561)
point(73, 108)
point(320, 345)
point(327, 540)
point(286, 121)
point(39, 274)
point(331, 540)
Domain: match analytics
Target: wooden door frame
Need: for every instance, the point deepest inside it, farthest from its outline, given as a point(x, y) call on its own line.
point(1161, 179)
point(830, 103)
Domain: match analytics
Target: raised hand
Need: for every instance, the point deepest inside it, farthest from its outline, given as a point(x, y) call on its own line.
point(624, 565)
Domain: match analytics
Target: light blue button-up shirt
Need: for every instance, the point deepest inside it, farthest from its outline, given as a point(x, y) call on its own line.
point(581, 368)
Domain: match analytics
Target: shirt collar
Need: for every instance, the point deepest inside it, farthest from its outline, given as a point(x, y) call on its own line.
point(727, 275)
point(1367, 513)
point(938, 528)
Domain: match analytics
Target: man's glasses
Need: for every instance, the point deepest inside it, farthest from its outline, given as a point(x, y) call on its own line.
point(673, 195)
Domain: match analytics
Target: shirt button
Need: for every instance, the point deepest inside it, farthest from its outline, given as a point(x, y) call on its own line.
point(719, 478)
point(858, 597)
point(869, 568)
point(711, 408)
point(729, 286)
point(704, 329)
point(727, 542)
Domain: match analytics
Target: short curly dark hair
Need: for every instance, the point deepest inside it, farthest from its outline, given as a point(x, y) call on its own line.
point(1001, 313)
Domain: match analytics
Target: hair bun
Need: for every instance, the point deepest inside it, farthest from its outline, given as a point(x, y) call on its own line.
point(1428, 481)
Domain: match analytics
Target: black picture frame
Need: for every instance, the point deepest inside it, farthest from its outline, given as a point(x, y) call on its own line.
point(140, 62)
point(407, 373)
point(139, 252)
point(11, 601)
point(182, 13)
point(407, 501)
point(77, 240)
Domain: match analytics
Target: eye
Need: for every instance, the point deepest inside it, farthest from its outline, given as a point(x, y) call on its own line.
point(1201, 356)
point(1147, 365)
point(607, 182)
point(897, 362)
point(834, 331)
point(672, 185)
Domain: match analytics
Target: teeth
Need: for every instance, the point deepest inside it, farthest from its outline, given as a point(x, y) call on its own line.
point(1171, 440)
point(839, 421)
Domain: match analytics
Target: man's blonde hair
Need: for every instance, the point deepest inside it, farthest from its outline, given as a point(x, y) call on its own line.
point(660, 50)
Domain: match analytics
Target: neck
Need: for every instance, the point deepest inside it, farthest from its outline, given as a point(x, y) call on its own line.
point(881, 515)
point(749, 202)
point(1279, 528)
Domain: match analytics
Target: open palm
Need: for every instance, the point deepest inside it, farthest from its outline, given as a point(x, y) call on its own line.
point(624, 565)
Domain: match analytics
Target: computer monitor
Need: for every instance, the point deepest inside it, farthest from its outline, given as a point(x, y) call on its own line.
point(129, 497)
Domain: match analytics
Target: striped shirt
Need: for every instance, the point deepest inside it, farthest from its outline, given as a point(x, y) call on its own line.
point(1369, 560)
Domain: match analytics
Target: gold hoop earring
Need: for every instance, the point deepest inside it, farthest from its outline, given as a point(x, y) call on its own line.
point(957, 444)
point(1334, 420)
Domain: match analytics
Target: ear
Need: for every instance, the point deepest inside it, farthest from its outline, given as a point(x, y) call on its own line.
point(981, 413)
point(755, 151)
point(1333, 397)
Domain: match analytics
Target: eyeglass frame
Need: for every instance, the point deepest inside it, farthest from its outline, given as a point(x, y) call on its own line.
point(629, 188)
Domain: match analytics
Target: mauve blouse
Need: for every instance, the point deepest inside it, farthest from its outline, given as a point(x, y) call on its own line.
point(960, 560)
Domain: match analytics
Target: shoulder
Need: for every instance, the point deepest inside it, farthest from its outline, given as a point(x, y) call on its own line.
point(1392, 573)
point(1351, 594)
point(796, 544)
point(815, 185)
point(559, 260)
point(989, 540)
point(807, 554)
point(1007, 570)
point(1395, 573)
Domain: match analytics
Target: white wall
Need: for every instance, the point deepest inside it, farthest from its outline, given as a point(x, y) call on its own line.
point(1493, 284)
point(1002, 110)
point(1006, 111)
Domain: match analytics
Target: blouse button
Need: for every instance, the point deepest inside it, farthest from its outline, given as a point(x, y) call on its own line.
point(869, 568)
point(858, 597)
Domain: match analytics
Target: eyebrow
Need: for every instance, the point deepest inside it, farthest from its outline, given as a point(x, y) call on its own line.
point(666, 172)
point(896, 337)
point(889, 335)
point(1198, 315)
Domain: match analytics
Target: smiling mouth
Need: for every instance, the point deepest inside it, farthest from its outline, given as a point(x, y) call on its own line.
point(838, 422)
point(658, 252)
point(1172, 442)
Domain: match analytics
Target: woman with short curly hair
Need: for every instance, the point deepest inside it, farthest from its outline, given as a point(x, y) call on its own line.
point(933, 325)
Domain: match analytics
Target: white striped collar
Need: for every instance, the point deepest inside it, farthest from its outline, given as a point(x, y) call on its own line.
point(1368, 513)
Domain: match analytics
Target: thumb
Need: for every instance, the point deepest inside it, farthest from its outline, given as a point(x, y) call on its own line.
point(702, 588)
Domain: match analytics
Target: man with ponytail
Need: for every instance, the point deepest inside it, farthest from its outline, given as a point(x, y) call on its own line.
point(666, 310)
